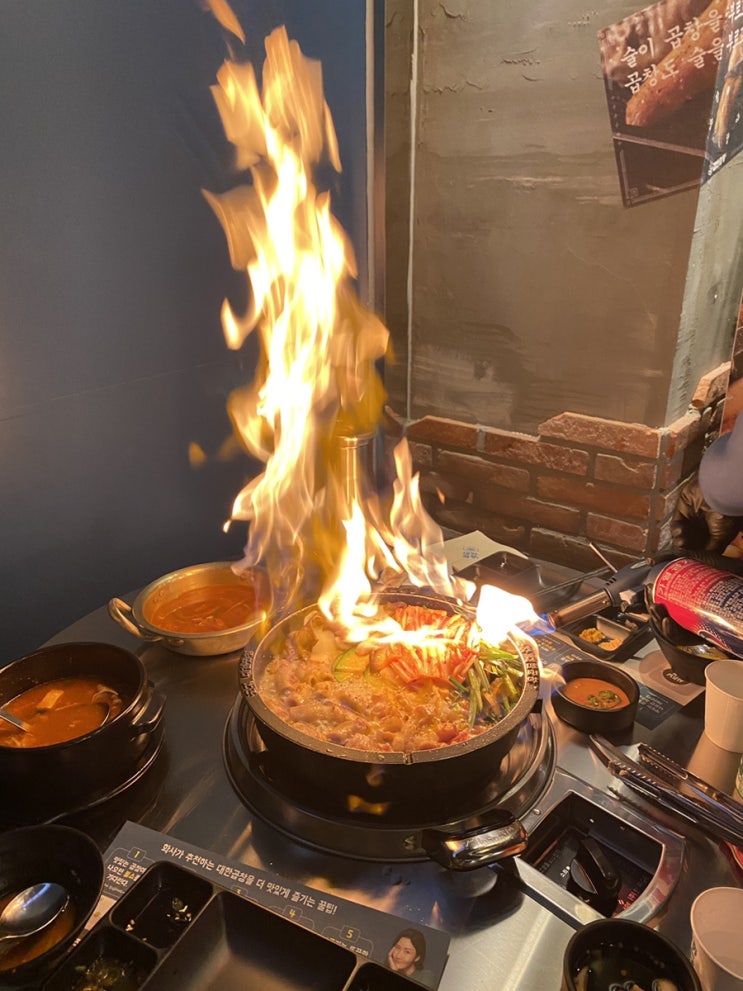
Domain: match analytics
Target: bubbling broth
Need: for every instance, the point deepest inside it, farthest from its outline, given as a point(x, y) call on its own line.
point(206, 609)
point(59, 710)
point(394, 697)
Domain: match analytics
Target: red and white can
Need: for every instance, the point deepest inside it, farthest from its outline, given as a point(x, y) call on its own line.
point(703, 600)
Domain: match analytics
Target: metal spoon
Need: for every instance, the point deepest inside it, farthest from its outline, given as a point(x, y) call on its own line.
point(101, 707)
point(32, 910)
point(14, 720)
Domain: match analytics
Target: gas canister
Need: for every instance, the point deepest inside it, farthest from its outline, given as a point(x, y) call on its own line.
point(703, 600)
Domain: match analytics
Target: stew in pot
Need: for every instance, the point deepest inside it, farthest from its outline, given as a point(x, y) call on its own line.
point(393, 697)
point(59, 710)
point(207, 609)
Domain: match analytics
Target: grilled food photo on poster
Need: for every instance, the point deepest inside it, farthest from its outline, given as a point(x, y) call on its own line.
point(672, 74)
point(726, 119)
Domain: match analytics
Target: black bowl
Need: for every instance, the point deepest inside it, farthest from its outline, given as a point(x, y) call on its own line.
point(619, 950)
point(37, 784)
point(688, 655)
point(587, 718)
point(34, 854)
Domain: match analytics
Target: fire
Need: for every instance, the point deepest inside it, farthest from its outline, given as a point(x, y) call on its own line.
point(316, 388)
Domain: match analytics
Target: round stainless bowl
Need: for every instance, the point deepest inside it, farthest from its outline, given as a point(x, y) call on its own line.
point(134, 618)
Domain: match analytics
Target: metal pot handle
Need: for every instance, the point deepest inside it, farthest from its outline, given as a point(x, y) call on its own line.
point(499, 835)
point(121, 612)
point(146, 720)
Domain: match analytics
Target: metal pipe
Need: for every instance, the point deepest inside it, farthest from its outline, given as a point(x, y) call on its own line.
point(354, 468)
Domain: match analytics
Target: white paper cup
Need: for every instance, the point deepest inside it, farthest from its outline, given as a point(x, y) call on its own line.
point(714, 764)
point(723, 706)
point(716, 945)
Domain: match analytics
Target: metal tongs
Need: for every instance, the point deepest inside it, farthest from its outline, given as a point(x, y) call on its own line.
point(667, 768)
point(660, 782)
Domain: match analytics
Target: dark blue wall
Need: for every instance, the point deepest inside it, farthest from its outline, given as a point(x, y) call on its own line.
point(112, 273)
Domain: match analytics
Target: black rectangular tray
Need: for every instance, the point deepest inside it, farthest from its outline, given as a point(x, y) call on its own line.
point(546, 585)
point(510, 572)
point(174, 929)
point(631, 632)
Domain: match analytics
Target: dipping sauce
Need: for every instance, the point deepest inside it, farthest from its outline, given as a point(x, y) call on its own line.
point(207, 609)
point(59, 710)
point(595, 693)
point(33, 946)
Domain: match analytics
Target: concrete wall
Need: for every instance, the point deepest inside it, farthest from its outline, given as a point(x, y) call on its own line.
point(534, 290)
point(560, 359)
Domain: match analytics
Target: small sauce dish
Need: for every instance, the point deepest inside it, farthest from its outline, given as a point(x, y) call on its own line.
point(595, 697)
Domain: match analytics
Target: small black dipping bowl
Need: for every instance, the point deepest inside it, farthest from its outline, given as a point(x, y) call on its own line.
point(689, 655)
point(34, 854)
point(617, 950)
point(589, 719)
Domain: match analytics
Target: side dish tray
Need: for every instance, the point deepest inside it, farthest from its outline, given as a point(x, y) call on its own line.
point(611, 634)
point(175, 929)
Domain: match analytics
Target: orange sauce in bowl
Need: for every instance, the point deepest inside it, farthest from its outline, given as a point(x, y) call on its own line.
point(595, 693)
point(206, 609)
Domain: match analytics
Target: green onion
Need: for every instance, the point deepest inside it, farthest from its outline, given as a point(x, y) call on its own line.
point(472, 713)
point(510, 687)
point(489, 653)
point(475, 696)
point(492, 684)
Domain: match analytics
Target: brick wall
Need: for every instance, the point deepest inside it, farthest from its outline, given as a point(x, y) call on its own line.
point(581, 479)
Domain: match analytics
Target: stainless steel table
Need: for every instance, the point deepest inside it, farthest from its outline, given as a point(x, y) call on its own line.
point(502, 934)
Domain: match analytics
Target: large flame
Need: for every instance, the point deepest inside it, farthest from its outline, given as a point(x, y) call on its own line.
point(316, 383)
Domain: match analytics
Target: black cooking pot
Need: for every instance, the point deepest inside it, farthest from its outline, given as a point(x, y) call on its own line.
point(39, 783)
point(416, 781)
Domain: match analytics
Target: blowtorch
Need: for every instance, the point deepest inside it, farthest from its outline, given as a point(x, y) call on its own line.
point(624, 591)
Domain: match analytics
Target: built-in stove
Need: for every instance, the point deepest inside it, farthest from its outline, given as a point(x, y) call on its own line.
point(332, 822)
point(581, 847)
point(584, 847)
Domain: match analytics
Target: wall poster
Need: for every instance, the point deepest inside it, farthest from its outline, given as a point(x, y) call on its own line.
point(725, 137)
point(673, 74)
point(734, 396)
point(732, 407)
